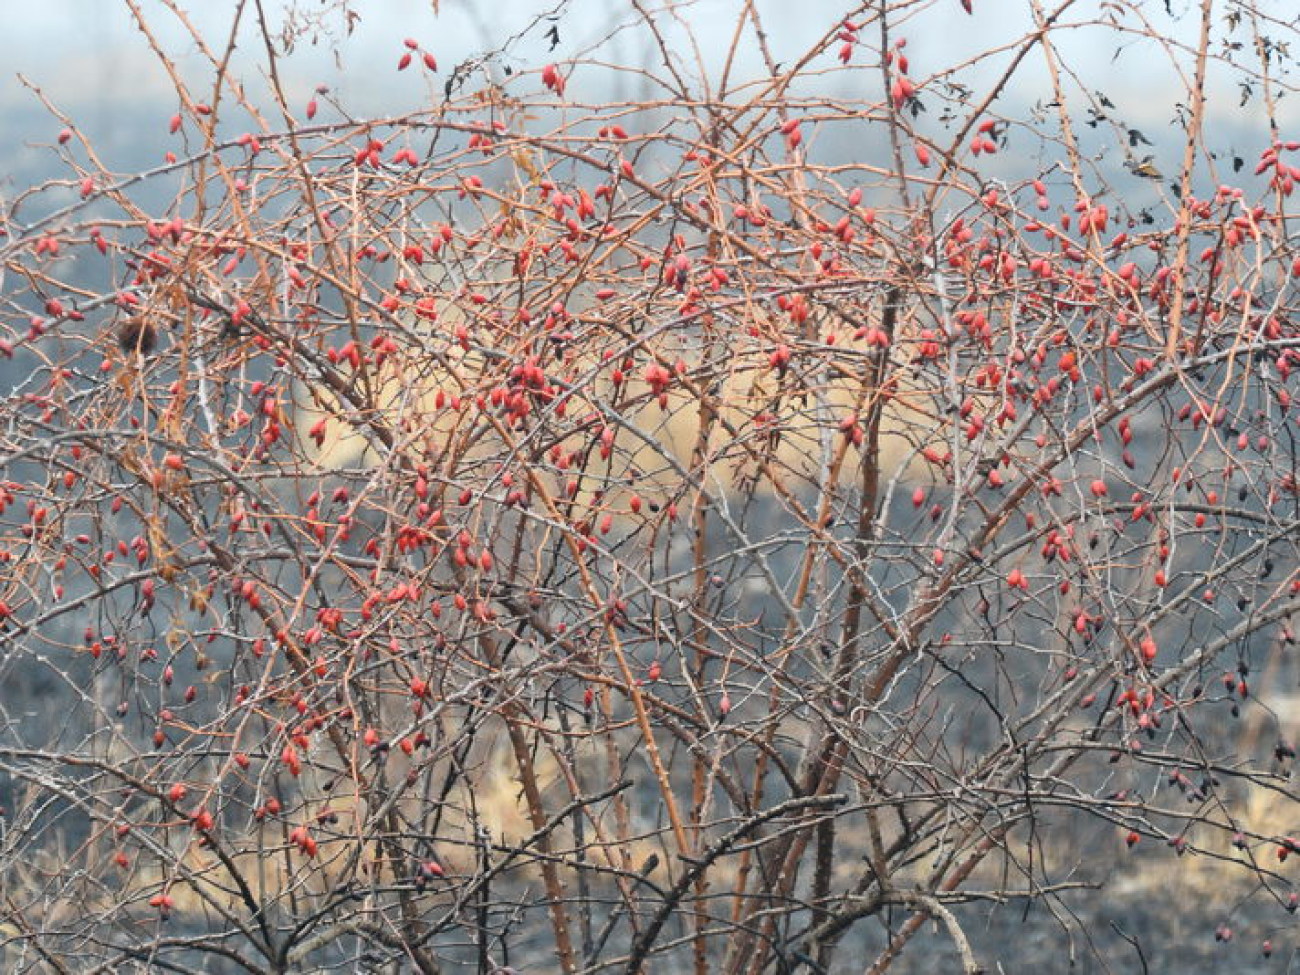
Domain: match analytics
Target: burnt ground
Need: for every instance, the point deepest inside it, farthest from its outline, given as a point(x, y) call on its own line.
point(1111, 933)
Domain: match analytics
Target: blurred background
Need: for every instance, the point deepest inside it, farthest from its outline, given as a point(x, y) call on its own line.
point(92, 61)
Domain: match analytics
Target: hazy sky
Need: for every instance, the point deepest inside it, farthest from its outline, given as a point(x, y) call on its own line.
point(90, 58)
point(90, 50)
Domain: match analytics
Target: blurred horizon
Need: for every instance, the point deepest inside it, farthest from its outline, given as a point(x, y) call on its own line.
point(91, 61)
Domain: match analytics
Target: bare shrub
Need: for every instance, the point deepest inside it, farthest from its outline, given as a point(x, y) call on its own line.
point(694, 532)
